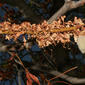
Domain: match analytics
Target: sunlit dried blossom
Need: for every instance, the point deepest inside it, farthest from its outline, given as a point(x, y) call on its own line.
point(44, 33)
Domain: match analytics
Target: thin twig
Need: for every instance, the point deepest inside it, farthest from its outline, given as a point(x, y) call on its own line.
point(20, 61)
point(63, 73)
point(19, 77)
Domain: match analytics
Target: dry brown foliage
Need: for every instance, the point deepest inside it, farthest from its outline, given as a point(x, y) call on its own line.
point(45, 34)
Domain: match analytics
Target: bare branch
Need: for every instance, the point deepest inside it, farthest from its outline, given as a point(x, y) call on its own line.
point(73, 80)
point(19, 77)
point(69, 5)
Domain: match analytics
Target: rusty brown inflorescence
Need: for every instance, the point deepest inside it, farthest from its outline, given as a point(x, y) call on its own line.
point(44, 33)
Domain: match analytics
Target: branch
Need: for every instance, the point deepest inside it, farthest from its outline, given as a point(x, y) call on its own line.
point(69, 5)
point(19, 77)
point(73, 80)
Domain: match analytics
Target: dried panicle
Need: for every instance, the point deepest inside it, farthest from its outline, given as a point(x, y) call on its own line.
point(78, 21)
point(44, 33)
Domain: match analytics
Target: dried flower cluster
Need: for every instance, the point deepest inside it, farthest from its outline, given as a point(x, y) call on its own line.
point(45, 34)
